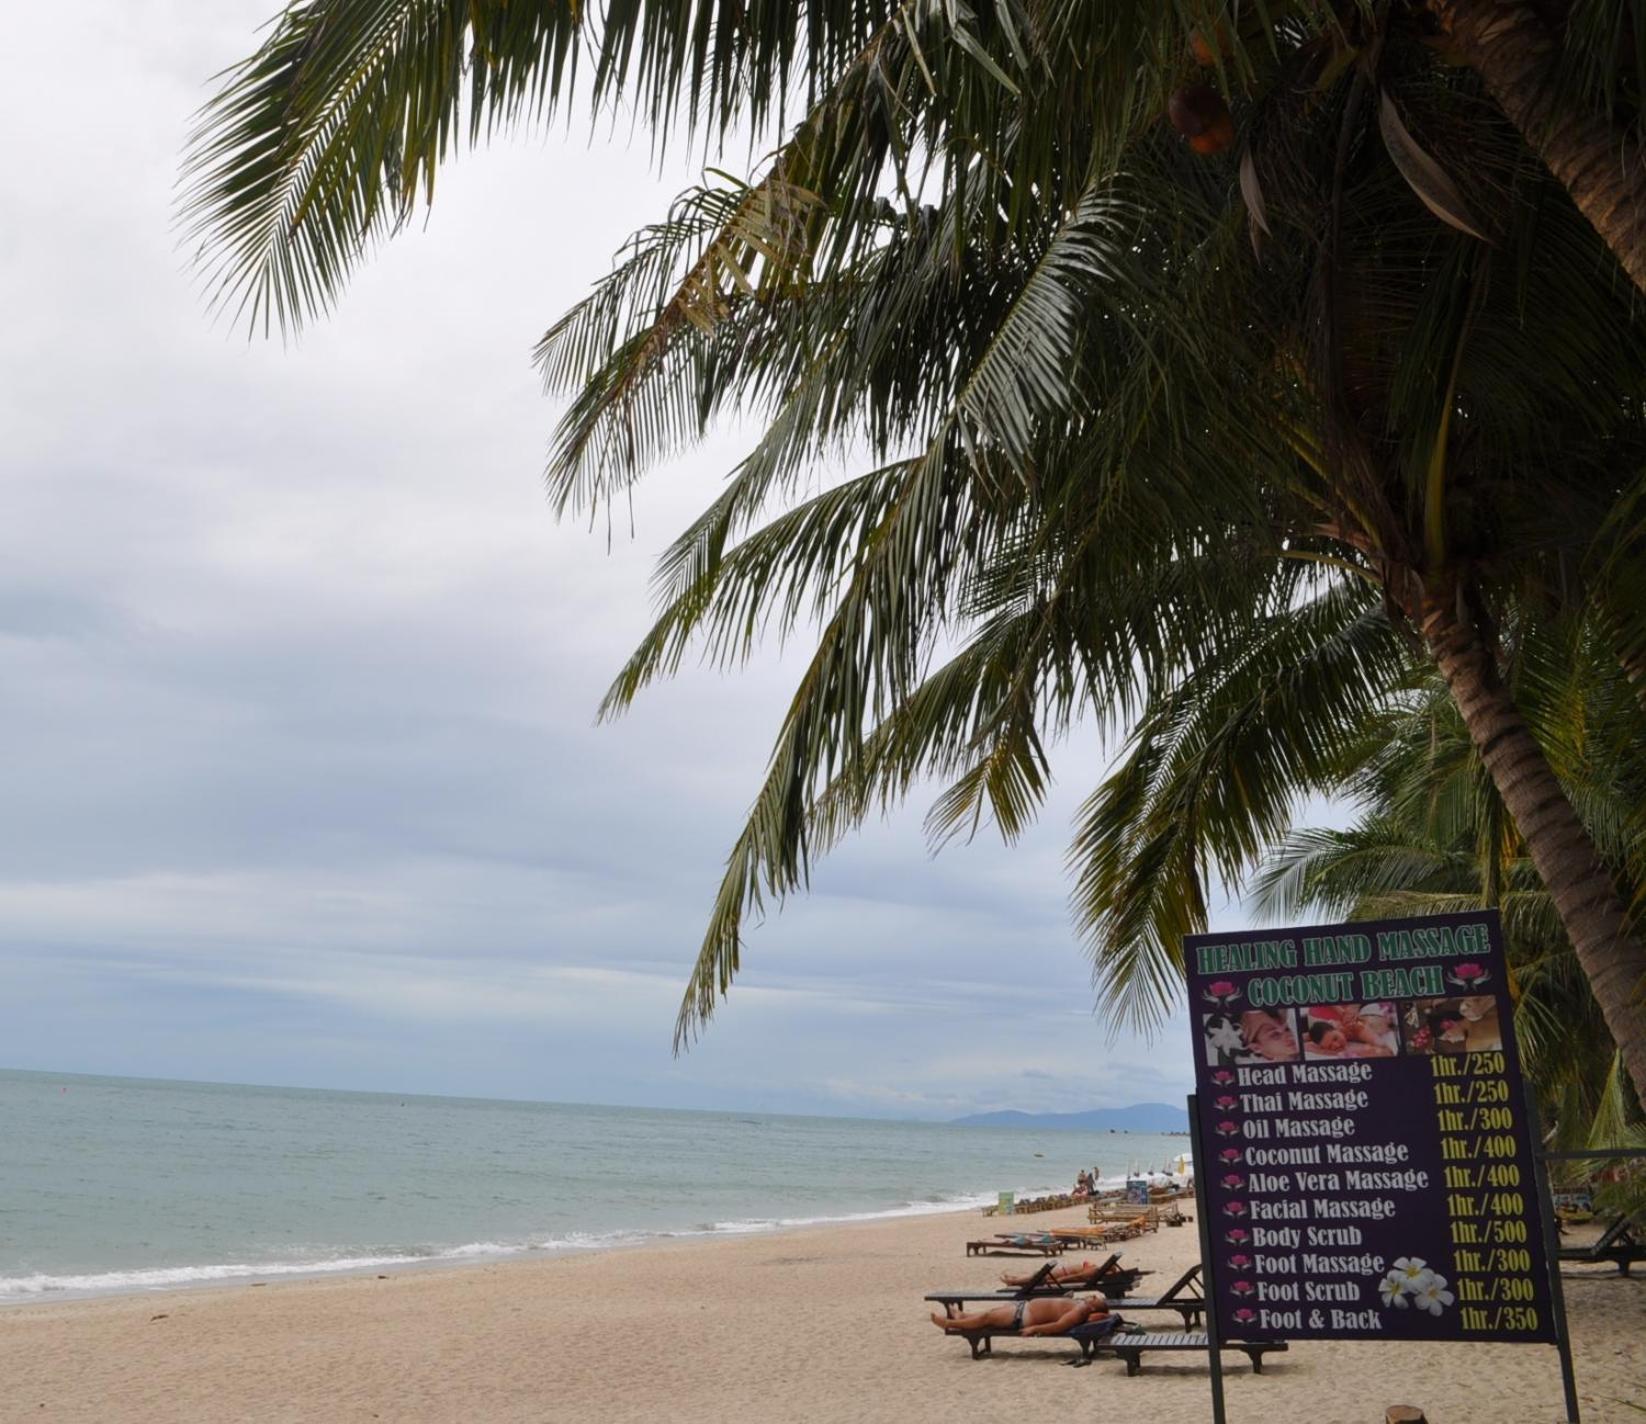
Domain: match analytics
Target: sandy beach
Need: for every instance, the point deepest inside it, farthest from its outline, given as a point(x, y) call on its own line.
point(819, 1324)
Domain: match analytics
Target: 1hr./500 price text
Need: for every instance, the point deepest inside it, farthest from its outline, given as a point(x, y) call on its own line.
point(1489, 1233)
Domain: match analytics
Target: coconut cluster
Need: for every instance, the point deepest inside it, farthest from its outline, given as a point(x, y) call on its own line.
point(1198, 111)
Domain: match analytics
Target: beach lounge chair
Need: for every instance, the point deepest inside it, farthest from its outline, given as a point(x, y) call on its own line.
point(1008, 1244)
point(1041, 1279)
point(1089, 1336)
point(1106, 1336)
point(1621, 1245)
point(1184, 1295)
point(1081, 1235)
point(1144, 1218)
point(1132, 1348)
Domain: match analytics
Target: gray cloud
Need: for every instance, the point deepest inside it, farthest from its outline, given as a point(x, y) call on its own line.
point(299, 678)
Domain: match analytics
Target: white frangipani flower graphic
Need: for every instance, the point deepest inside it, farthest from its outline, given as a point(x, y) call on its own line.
point(1412, 1276)
point(1226, 1038)
point(1433, 1296)
point(1410, 1268)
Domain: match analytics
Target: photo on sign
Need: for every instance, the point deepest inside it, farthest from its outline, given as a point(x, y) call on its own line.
point(1332, 1031)
point(1467, 1024)
point(1235, 1036)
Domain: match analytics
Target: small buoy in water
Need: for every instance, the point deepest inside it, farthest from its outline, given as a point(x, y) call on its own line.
point(1039, 1154)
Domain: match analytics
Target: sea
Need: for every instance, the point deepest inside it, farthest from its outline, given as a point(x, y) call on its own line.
point(112, 1185)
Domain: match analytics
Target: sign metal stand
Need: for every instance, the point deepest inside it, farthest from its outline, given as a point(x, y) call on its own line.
point(1202, 1165)
point(1551, 1249)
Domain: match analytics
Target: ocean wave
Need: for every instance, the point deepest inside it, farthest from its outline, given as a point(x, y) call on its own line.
point(40, 1286)
point(17, 1289)
point(931, 1206)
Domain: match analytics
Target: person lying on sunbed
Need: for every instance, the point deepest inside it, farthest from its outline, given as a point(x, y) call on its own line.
point(1027, 1317)
point(1062, 1275)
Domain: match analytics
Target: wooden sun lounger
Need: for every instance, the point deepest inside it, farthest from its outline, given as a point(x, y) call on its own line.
point(1111, 1265)
point(1621, 1245)
point(1093, 1335)
point(1017, 1245)
point(1086, 1235)
point(952, 1300)
point(1109, 1230)
point(1183, 1295)
point(1100, 1337)
point(1144, 1218)
point(1132, 1348)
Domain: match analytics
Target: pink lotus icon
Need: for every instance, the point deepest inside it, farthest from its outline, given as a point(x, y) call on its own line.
point(1229, 1154)
point(1237, 1236)
point(1228, 1129)
point(1469, 976)
point(1243, 1288)
point(1223, 1075)
point(1227, 1103)
point(1234, 1181)
point(1221, 992)
point(1245, 1316)
point(1239, 1262)
point(1234, 1208)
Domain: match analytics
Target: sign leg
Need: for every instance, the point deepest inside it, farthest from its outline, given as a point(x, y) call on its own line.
point(1203, 1165)
point(1551, 1249)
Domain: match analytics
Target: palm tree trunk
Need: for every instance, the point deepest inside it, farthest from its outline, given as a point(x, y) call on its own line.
point(1590, 909)
point(1601, 163)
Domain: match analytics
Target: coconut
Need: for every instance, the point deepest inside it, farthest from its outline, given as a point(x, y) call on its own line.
point(1197, 111)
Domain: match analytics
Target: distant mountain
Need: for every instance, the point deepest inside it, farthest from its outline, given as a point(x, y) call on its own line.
point(1139, 1117)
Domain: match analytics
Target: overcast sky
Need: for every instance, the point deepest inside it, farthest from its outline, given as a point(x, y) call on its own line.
point(303, 784)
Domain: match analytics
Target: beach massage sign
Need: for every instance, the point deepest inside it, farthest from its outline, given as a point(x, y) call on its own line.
point(1367, 1164)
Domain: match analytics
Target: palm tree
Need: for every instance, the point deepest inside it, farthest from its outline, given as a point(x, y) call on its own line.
point(1573, 90)
point(1432, 837)
point(1123, 464)
point(319, 144)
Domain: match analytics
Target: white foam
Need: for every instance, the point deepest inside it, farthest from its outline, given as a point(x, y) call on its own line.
point(21, 1289)
point(940, 1206)
point(15, 1289)
point(590, 1241)
point(169, 1277)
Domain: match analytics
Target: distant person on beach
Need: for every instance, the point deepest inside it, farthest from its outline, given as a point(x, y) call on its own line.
point(1027, 1317)
point(1061, 1275)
